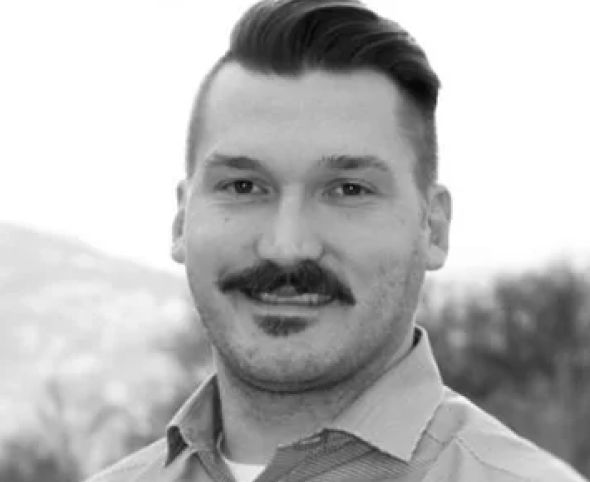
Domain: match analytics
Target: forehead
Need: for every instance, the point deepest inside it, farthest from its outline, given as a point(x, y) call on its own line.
point(308, 116)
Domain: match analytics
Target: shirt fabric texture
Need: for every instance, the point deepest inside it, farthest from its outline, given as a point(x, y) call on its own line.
point(406, 427)
point(241, 472)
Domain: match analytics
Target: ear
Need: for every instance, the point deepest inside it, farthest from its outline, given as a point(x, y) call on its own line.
point(178, 250)
point(438, 224)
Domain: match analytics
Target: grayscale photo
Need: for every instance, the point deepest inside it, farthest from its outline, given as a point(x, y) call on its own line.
point(294, 240)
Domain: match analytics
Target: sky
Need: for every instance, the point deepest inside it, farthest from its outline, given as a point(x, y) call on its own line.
point(95, 98)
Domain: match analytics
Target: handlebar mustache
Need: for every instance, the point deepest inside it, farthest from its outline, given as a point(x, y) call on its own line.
point(306, 277)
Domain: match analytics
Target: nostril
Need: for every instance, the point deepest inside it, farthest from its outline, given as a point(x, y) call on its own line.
point(289, 237)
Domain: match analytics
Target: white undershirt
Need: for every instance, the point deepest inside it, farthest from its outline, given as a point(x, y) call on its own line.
point(241, 472)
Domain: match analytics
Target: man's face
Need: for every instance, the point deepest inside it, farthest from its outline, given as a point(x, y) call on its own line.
point(304, 236)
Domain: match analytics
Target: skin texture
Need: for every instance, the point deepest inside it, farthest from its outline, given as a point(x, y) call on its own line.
point(369, 226)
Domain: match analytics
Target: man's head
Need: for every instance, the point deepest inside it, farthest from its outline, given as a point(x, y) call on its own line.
point(310, 210)
point(290, 37)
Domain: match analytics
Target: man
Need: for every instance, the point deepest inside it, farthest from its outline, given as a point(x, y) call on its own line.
point(309, 215)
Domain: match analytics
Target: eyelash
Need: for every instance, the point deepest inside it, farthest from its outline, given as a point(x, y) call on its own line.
point(364, 189)
point(341, 184)
point(226, 185)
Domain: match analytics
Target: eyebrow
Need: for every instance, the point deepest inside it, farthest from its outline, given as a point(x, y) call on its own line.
point(244, 163)
point(337, 162)
point(343, 162)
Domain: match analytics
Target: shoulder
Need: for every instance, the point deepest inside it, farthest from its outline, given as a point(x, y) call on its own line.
point(132, 464)
point(481, 444)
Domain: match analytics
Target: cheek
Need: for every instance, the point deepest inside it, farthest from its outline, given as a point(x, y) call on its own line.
point(217, 243)
point(383, 284)
point(387, 271)
point(380, 251)
point(208, 246)
point(210, 230)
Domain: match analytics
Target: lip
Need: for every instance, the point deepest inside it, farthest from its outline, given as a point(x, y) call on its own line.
point(306, 300)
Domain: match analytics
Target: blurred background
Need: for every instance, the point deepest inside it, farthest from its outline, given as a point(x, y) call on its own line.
point(99, 342)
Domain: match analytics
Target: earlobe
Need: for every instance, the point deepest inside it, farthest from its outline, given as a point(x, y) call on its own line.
point(177, 250)
point(439, 220)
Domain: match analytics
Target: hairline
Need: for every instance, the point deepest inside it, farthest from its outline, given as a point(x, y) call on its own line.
point(413, 120)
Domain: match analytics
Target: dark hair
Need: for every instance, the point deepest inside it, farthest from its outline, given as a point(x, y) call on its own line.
point(290, 37)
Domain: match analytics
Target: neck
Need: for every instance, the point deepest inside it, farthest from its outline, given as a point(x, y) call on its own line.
point(256, 421)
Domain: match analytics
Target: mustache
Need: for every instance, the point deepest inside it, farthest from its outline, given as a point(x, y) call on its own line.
point(305, 277)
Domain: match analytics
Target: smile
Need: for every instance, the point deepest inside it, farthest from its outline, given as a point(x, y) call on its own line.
point(304, 299)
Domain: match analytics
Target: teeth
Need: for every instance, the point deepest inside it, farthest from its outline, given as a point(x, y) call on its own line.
point(306, 299)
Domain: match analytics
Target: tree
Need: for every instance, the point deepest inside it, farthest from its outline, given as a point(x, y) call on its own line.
point(25, 460)
point(190, 352)
point(75, 431)
point(520, 351)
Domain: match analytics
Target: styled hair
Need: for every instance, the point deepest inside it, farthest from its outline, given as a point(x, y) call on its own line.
point(291, 37)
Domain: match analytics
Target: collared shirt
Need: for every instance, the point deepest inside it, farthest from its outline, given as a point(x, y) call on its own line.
point(406, 427)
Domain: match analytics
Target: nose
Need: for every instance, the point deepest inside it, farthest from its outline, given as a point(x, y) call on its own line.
point(289, 236)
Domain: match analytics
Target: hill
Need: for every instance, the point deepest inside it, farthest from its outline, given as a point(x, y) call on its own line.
point(68, 310)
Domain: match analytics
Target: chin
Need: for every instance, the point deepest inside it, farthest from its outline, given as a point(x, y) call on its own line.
point(281, 368)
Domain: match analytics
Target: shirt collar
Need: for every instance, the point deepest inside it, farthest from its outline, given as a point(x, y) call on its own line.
point(198, 421)
point(391, 414)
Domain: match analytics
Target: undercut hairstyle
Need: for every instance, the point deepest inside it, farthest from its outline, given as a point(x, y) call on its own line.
point(291, 37)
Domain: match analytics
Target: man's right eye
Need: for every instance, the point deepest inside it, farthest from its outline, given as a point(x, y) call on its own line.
point(242, 187)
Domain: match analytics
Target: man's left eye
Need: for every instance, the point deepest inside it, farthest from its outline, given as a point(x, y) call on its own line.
point(350, 189)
